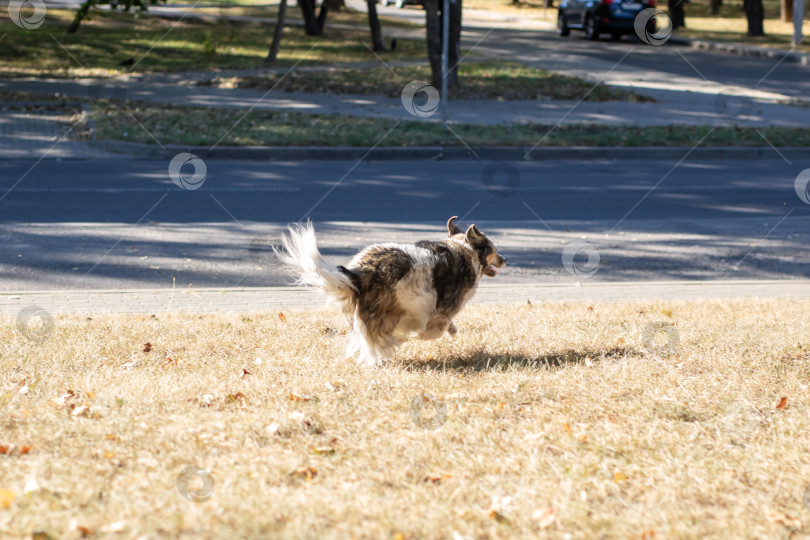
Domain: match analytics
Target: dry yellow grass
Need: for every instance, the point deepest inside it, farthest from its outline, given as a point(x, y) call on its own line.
point(559, 423)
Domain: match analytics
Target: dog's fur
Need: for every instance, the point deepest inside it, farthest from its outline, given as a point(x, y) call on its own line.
point(391, 291)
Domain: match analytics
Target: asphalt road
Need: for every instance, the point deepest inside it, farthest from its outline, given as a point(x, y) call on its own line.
point(122, 191)
point(763, 74)
point(123, 223)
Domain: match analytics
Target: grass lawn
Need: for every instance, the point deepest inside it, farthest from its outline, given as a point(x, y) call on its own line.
point(205, 126)
point(157, 45)
point(481, 80)
point(559, 424)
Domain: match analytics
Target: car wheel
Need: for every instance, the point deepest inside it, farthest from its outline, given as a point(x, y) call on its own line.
point(591, 32)
point(562, 26)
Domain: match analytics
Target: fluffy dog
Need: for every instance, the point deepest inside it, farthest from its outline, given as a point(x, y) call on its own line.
point(392, 291)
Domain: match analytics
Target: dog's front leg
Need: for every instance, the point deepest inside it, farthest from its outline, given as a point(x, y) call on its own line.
point(452, 330)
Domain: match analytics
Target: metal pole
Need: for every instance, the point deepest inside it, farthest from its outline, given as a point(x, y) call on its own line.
point(798, 18)
point(445, 57)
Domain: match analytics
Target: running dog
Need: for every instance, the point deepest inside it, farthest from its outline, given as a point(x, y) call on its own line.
point(392, 291)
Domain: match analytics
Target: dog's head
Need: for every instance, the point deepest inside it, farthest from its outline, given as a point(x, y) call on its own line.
point(483, 246)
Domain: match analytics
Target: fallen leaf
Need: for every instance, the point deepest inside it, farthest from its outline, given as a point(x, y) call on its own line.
point(307, 473)
point(31, 486)
point(500, 518)
point(583, 438)
point(115, 527)
point(3, 449)
point(24, 450)
point(109, 455)
point(81, 410)
point(646, 535)
point(112, 437)
point(282, 316)
point(147, 347)
point(399, 536)
point(545, 517)
point(666, 312)
point(233, 398)
point(41, 535)
point(245, 373)
point(169, 362)
point(74, 526)
point(620, 341)
point(500, 406)
point(782, 403)
point(299, 397)
point(787, 521)
point(568, 428)
point(6, 498)
point(324, 450)
point(619, 477)
point(437, 479)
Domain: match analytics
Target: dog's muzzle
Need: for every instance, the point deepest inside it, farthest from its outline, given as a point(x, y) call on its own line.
point(490, 269)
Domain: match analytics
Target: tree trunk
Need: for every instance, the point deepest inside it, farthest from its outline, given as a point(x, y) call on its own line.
point(433, 24)
point(377, 43)
point(79, 16)
point(455, 44)
point(753, 12)
point(676, 13)
point(787, 10)
point(310, 20)
point(282, 15)
point(434, 41)
point(322, 17)
point(714, 6)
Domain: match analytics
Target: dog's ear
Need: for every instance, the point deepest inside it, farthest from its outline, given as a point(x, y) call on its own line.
point(452, 228)
point(474, 236)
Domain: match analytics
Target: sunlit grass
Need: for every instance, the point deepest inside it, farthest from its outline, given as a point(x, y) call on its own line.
point(104, 46)
point(479, 80)
point(561, 422)
point(205, 126)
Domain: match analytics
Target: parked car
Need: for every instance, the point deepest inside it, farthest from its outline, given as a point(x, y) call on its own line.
point(399, 3)
point(595, 17)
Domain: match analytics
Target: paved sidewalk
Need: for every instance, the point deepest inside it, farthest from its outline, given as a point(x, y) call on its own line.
point(698, 109)
point(272, 298)
point(37, 133)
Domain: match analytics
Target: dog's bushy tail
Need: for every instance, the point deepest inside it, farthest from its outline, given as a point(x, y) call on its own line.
point(302, 256)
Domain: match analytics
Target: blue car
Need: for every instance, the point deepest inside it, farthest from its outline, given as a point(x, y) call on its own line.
point(596, 17)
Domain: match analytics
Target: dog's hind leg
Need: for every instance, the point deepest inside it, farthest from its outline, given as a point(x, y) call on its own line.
point(436, 326)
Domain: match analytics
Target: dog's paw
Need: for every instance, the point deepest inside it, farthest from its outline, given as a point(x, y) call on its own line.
point(452, 330)
point(369, 361)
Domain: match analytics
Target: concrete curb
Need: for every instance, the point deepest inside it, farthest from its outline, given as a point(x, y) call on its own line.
point(743, 50)
point(426, 153)
point(248, 299)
